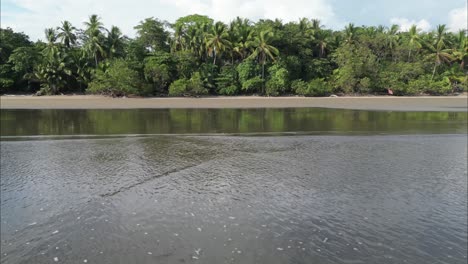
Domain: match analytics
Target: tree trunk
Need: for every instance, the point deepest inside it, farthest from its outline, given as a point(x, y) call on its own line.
point(263, 77)
point(95, 59)
point(433, 72)
point(214, 60)
point(409, 55)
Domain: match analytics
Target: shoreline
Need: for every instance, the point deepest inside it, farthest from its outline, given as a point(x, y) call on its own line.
point(385, 103)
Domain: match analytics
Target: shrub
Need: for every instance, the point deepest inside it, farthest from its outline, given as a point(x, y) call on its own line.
point(316, 87)
point(278, 82)
point(178, 87)
point(246, 71)
point(183, 87)
point(252, 85)
point(226, 81)
point(117, 80)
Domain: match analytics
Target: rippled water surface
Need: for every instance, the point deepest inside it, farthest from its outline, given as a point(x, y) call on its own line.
point(215, 198)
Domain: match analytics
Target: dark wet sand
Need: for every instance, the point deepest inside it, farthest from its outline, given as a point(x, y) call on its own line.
point(423, 103)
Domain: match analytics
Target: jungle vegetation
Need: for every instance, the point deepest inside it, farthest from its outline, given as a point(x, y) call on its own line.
point(196, 56)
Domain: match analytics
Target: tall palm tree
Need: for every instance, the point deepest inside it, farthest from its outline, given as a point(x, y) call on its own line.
point(114, 42)
point(316, 25)
point(51, 49)
point(414, 39)
point(263, 50)
point(350, 33)
point(392, 38)
point(178, 42)
point(217, 40)
point(94, 37)
point(461, 51)
point(67, 34)
point(322, 39)
point(243, 36)
point(438, 48)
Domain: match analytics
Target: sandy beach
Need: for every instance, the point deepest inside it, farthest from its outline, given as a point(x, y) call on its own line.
point(420, 103)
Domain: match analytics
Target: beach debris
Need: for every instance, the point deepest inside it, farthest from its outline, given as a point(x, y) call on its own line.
point(355, 249)
point(333, 95)
point(33, 223)
point(232, 217)
point(85, 260)
point(55, 232)
point(150, 253)
point(197, 251)
point(55, 259)
point(280, 249)
point(175, 234)
point(325, 240)
point(194, 257)
point(199, 229)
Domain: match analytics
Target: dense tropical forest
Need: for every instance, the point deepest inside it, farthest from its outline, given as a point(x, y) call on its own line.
point(198, 56)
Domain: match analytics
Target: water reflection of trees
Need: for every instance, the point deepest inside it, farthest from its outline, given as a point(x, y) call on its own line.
point(170, 121)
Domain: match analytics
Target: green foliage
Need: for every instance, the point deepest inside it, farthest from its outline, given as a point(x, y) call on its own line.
point(246, 71)
point(117, 80)
point(252, 85)
point(192, 87)
point(11, 40)
point(315, 87)
point(357, 68)
point(186, 63)
point(240, 57)
point(226, 81)
point(160, 70)
point(425, 84)
point(152, 34)
point(278, 81)
point(179, 87)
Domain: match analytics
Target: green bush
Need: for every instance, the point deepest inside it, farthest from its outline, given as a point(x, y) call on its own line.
point(117, 80)
point(315, 87)
point(178, 87)
point(226, 81)
point(299, 86)
point(192, 87)
point(246, 71)
point(253, 85)
point(278, 82)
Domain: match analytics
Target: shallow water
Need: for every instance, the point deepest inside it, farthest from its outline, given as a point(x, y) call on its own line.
point(230, 121)
point(399, 198)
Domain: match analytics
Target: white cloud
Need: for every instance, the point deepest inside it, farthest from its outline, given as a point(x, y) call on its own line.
point(405, 24)
point(458, 19)
point(127, 14)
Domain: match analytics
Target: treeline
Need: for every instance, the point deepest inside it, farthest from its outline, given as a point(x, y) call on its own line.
point(198, 56)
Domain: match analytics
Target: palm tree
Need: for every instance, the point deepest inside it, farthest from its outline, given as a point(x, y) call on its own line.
point(263, 50)
point(67, 34)
point(438, 49)
point(414, 40)
point(350, 33)
point(217, 40)
point(243, 35)
point(94, 41)
point(316, 25)
point(114, 42)
point(461, 51)
point(392, 38)
point(178, 42)
point(322, 38)
point(51, 49)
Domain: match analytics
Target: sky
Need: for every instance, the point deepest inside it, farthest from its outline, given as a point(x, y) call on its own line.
point(33, 16)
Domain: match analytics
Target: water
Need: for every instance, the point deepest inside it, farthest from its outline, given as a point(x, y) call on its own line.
point(365, 187)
